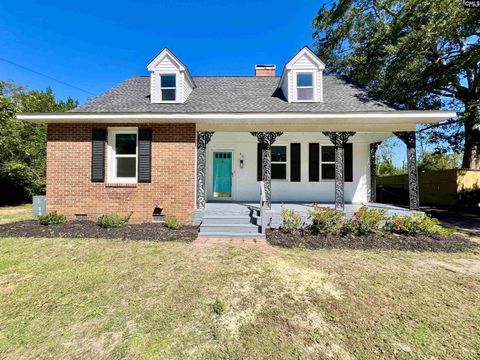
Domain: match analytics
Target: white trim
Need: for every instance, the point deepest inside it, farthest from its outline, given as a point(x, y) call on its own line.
point(321, 162)
point(309, 53)
point(407, 116)
point(111, 165)
point(287, 162)
point(160, 88)
point(314, 85)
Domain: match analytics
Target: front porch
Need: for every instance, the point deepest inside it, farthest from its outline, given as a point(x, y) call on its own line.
point(273, 218)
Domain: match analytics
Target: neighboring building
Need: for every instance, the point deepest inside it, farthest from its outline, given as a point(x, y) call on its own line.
point(177, 141)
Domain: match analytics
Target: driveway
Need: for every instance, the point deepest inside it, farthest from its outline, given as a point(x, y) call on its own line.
point(468, 223)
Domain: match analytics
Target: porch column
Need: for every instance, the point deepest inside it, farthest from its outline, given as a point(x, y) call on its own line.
point(266, 139)
point(373, 175)
point(408, 137)
point(203, 138)
point(339, 139)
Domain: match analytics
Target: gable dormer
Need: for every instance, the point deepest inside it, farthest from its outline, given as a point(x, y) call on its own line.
point(170, 80)
point(302, 77)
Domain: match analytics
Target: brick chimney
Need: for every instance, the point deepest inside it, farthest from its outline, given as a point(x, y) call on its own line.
point(265, 70)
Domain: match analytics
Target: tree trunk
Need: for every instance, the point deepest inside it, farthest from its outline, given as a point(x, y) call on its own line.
point(471, 155)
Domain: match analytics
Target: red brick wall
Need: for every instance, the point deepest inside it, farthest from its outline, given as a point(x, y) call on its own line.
point(70, 190)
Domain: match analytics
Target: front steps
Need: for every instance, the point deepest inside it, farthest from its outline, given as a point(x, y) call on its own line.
point(245, 225)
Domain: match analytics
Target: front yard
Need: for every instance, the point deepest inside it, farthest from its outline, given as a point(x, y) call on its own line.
point(98, 298)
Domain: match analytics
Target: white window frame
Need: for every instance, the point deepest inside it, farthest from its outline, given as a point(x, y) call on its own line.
point(286, 162)
point(313, 87)
point(168, 88)
point(112, 156)
point(325, 162)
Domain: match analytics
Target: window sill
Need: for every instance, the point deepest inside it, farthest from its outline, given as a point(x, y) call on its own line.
point(121, 185)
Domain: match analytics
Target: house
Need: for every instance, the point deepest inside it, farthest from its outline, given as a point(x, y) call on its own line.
point(179, 142)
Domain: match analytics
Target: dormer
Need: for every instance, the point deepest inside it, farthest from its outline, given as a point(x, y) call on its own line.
point(170, 80)
point(302, 77)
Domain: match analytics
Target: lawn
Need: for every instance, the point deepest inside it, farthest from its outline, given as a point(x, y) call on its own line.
point(102, 298)
point(15, 213)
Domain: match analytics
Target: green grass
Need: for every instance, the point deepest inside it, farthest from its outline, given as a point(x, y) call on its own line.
point(118, 299)
point(15, 213)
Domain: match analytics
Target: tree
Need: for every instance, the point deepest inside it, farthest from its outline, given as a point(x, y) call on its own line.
point(416, 54)
point(431, 161)
point(23, 144)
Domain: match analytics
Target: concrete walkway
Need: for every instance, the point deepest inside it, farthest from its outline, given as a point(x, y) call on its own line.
point(467, 223)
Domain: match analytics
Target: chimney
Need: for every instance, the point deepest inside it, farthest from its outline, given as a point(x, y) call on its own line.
point(265, 70)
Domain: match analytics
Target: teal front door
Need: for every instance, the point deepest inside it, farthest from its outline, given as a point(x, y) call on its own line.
point(222, 174)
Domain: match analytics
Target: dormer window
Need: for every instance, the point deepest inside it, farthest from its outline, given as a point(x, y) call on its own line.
point(305, 86)
point(168, 87)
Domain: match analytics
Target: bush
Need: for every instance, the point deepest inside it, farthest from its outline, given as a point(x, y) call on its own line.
point(366, 221)
point(326, 220)
point(112, 220)
point(52, 218)
point(291, 220)
point(172, 223)
point(417, 223)
point(470, 199)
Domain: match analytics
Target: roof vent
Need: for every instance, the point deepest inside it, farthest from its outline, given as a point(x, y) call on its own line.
point(265, 70)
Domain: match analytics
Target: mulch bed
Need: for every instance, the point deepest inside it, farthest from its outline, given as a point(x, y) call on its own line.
point(418, 243)
point(89, 229)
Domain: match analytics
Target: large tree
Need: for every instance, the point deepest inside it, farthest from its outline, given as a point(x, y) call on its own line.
point(23, 144)
point(416, 54)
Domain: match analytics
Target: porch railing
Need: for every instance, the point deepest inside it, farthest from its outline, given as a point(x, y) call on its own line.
point(263, 206)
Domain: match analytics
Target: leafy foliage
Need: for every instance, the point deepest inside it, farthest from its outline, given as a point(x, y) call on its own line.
point(291, 220)
point(415, 54)
point(366, 220)
point(22, 144)
point(172, 223)
point(52, 218)
point(112, 220)
point(416, 223)
point(218, 307)
point(326, 220)
point(470, 199)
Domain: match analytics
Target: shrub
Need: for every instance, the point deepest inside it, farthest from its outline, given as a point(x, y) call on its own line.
point(366, 221)
point(470, 198)
point(112, 220)
point(172, 223)
point(291, 220)
point(326, 220)
point(52, 218)
point(416, 223)
point(218, 307)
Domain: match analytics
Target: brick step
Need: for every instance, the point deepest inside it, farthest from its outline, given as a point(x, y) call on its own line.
point(230, 235)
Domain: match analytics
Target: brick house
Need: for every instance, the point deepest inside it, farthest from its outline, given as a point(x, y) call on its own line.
point(180, 142)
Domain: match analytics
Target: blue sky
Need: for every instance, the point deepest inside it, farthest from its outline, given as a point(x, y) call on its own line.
point(94, 45)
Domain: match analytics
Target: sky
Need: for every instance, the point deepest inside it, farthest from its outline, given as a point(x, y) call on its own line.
point(94, 45)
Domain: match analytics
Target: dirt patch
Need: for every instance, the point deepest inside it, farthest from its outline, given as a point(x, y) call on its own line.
point(418, 243)
point(89, 229)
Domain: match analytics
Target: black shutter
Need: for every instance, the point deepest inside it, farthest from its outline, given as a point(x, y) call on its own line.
point(98, 155)
point(295, 160)
point(259, 162)
point(313, 162)
point(144, 155)
point(348, 162)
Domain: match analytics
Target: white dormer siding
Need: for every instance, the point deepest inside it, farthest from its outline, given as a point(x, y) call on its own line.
point(305, 65)
point(167, 64)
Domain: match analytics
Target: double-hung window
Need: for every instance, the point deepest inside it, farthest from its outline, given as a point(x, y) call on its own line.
point(305, 86)
point(168, 87)
point(279, 162)
point(123, 158)
point(328, 162)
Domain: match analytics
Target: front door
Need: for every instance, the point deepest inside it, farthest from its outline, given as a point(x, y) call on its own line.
point(222, 174)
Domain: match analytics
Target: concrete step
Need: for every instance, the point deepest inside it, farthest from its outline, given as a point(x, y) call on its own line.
point(229, 228)
point(229, 219)
point(206, 235)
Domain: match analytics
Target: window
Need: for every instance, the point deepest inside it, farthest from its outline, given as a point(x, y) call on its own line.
point(123, 155)
point(279, 162)
point(328, 162)
point(168, 87)
point(305, 86)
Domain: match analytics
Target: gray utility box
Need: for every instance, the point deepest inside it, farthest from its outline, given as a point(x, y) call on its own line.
point(39, 205)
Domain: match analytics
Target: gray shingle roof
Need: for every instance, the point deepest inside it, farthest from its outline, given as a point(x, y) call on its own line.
point(227, 94)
